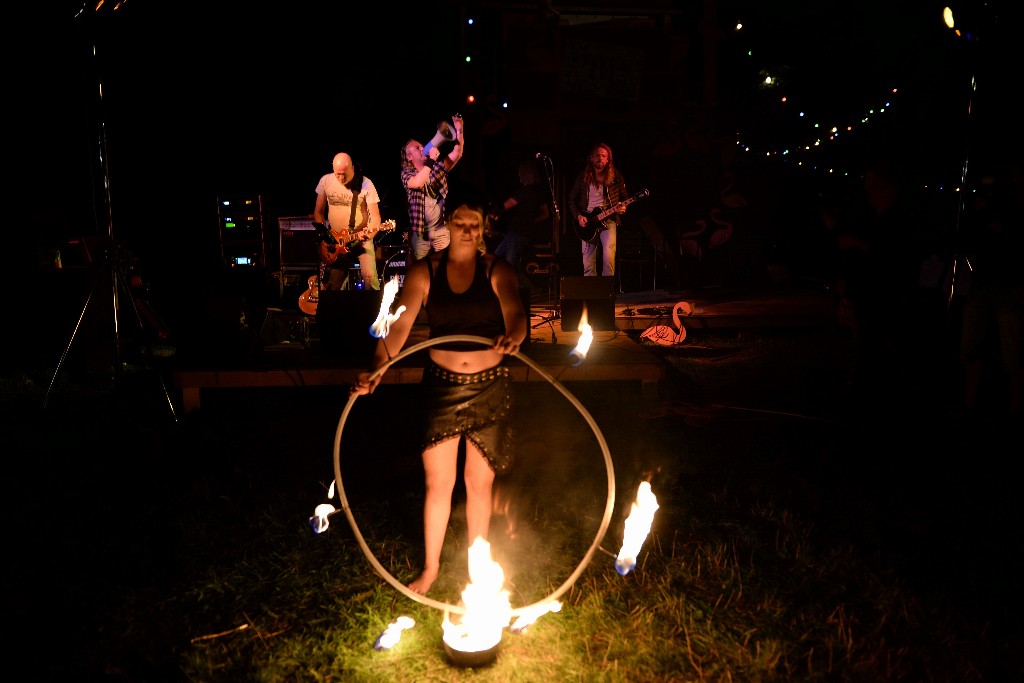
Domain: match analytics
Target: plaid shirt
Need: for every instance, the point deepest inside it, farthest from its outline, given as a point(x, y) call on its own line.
point(436, 186)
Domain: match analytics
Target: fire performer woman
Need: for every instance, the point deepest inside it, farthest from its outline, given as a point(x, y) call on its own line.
point(467, 391)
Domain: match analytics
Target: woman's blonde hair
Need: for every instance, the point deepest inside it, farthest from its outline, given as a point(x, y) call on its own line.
point(465, 210)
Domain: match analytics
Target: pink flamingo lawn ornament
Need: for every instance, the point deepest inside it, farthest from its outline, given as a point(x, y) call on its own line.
point(665, 335)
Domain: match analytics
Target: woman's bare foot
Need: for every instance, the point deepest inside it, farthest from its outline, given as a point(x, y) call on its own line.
point(422, 583)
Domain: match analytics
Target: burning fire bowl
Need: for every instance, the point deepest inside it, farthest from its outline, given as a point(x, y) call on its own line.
point(472, 659)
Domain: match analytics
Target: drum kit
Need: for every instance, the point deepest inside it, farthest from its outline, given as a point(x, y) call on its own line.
point(396, 262)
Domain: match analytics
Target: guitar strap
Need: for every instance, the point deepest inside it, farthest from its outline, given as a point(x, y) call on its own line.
point(355, 186)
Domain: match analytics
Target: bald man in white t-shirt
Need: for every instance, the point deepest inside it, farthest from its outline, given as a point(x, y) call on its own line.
point(338, 194)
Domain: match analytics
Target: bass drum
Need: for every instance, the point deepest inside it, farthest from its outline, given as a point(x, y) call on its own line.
point(395, 267)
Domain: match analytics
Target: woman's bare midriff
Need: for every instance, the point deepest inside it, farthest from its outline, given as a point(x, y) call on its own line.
point(466, 362)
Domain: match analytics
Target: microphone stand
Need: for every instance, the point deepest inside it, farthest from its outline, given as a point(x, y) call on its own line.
point(549, 175)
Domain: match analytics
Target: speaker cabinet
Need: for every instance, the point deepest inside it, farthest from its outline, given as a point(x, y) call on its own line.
point(596, 293)
point(343, 320)
point(299, 247)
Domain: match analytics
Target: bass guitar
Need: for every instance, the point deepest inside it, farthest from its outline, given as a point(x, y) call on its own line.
point(339, 243)
point(595, 219)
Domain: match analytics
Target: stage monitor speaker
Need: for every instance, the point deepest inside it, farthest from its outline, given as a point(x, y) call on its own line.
point(343, 320)
point(597, 294)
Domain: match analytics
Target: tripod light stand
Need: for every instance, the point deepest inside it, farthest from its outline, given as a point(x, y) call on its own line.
point(110, 269)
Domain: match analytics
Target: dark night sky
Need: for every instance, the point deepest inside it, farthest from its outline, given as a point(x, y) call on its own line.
point(257, 100)
point(254, 101)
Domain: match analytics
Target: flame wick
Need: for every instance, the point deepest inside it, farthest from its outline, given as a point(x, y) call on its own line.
point(382, 325)
point(393, 633)
point(637, 526)
point(319, 521)
point(528, 617)
point(579, 353)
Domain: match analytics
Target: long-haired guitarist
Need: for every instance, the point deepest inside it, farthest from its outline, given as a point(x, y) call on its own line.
point(599, 187)
point(348, 203)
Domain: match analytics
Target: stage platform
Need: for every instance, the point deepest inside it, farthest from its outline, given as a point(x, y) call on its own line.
point(290, 353)
point(714, 309)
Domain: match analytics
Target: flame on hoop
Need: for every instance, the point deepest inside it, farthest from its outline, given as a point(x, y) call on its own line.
point(579, 353)
point(638, 525)
point(393, 633)
point(382, 325)
point(528, 616)
point(319, 521)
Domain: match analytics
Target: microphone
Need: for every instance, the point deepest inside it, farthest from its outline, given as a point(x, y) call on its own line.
point(541, 156)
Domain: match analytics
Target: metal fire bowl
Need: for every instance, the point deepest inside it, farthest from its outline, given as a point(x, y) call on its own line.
point(472, 659)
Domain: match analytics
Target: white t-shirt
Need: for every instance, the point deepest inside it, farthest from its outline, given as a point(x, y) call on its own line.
point(595, 197)
point(339, 201)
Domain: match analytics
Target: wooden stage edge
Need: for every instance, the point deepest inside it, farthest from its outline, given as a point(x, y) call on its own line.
point(192, 382)
point(614, 355)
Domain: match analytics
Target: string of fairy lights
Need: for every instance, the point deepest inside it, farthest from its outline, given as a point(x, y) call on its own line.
point(797, 137)
point(802, 139)
point(814, 134)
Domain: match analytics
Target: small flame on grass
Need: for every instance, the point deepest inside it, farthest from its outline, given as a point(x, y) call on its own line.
point(382, 325)
point(393, 633)
point(319, 522)
point(488, 609)
point(579, 353)
point(638, 525)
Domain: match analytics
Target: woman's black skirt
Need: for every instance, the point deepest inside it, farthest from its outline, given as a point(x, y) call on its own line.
point(478, 405)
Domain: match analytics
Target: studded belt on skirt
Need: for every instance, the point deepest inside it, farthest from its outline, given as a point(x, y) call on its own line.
point(478, 405)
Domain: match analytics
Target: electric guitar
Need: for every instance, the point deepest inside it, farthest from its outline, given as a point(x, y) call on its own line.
point(595, 219)
point(308, 299)
point(342, 242)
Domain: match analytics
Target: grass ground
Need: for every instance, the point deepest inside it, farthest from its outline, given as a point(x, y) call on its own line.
point(799, 536)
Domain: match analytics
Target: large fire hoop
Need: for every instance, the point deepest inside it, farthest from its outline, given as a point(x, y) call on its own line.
point(458, 609)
